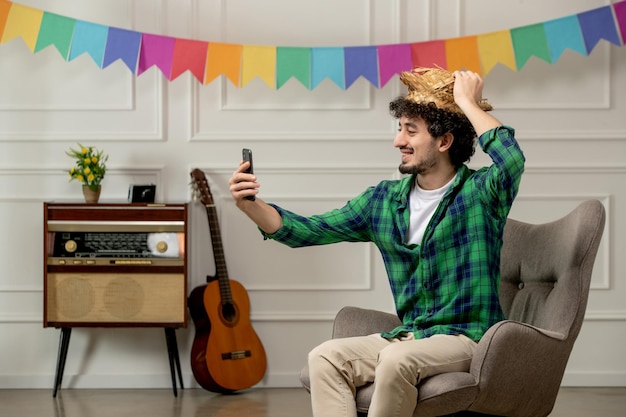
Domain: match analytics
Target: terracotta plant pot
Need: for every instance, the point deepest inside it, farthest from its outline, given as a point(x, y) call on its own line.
point(90, 195)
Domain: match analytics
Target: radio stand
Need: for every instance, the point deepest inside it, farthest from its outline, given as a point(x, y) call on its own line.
point(115, 265)
point(172, 353)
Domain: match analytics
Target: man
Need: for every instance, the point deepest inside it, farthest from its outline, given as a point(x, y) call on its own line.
point(439, 231)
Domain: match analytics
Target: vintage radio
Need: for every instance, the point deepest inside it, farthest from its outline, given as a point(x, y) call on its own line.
point(115, 265)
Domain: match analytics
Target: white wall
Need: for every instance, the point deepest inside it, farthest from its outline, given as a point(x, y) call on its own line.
point(313, 151)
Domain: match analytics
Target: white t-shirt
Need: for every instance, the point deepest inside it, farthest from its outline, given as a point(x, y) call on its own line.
point(423, 204)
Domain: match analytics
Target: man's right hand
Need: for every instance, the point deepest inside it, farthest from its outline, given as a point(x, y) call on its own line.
point(243, 185)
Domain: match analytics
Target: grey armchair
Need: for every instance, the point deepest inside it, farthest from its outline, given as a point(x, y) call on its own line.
point(519, 363)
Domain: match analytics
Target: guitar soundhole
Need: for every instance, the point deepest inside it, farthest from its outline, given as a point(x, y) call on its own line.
point(229, 314)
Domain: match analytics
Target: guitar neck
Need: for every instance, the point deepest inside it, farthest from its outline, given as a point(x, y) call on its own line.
point(221, 271)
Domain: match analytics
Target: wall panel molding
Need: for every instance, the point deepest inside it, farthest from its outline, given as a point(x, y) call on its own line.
point(256, 102)
point(606, 315)
point(46, 184)
point(576, 135)
point(77, 100)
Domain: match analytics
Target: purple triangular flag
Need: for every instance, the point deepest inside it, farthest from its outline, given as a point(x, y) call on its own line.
point(598, 24)
point(620, 15)
point(392, 60)
point(122, 44)
point(361, 61)
point(156, 50)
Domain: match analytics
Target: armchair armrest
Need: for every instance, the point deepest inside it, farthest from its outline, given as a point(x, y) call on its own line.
point(519, 368)
point(355, 321)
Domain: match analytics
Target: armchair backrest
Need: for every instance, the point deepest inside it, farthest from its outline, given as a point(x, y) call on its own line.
point(546, 269)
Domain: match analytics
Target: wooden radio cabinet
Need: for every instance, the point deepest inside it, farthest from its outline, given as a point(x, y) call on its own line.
point(115, 265)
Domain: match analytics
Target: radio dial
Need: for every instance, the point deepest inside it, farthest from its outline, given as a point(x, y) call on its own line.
point(161, 247)
point(70, 246)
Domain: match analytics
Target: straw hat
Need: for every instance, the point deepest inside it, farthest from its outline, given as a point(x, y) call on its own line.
point(434, 85)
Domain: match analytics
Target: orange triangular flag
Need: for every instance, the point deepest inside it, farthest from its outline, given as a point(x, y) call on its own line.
point(5, 7)
point(223, 59)
point(462, 53)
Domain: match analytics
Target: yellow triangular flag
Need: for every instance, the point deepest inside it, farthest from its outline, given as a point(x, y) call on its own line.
point(259, 61)
point(494, 48)
point(25, 22)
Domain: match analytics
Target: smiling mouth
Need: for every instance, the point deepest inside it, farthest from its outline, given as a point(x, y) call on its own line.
point(406, 154)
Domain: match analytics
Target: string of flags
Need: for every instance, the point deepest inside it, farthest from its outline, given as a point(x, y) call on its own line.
point(275, 65)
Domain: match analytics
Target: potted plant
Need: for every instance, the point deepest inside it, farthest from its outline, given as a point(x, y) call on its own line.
point(89, 170)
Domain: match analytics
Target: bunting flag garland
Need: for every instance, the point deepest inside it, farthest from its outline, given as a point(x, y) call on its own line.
point(223, 59)
point(361, 61)
point(55, 30)
point(122, 44)
point(310, 66)
point(494, 48)
point(562, 34)
point(189, 55)
point(292, 62)
point(258, 61)
point(620, 15)
point(393, 59)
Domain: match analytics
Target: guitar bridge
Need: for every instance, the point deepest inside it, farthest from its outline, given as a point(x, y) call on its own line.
point(237, 354)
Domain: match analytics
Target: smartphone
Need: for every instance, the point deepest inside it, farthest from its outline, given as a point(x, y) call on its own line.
point(247, 157)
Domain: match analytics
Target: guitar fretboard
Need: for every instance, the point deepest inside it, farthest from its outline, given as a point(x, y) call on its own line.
point(221, 270)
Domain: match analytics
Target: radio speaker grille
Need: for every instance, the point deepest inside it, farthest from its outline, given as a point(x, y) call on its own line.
point(102, 298)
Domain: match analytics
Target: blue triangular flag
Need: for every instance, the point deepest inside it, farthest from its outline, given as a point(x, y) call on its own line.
point(562, 34)
point(361, 61)
point(89, 38)
point(327, 62)
point(598, 24)
point(122, 44)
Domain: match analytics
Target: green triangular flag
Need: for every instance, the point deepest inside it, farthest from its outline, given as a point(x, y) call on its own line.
point(530, 41)
point(293, 62)
point(55, 30)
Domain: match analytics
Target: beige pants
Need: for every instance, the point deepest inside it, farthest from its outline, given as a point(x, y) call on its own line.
point(338, 366)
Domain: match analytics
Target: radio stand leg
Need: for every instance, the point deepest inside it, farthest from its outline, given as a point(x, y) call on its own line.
point(64, 344)
point(174, 358)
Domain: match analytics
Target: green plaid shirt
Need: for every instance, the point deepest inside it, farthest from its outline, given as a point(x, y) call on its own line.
point(449, 284)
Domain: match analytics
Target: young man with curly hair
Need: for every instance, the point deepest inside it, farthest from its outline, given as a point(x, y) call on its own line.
point(439, 230)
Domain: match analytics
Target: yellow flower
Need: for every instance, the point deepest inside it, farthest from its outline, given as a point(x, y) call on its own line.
point(89, 165)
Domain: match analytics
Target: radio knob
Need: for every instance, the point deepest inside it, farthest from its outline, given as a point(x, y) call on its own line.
point(70, 246)
point(161, 246)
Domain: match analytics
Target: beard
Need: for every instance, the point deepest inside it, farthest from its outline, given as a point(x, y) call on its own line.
point(420, 167)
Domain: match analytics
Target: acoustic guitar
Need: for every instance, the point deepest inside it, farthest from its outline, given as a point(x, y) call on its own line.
point(226, 355)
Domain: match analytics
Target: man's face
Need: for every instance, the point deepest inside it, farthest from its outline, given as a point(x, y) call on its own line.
point(419, 149)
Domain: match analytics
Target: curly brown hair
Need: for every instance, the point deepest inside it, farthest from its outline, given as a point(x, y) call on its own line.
point(440, 122)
